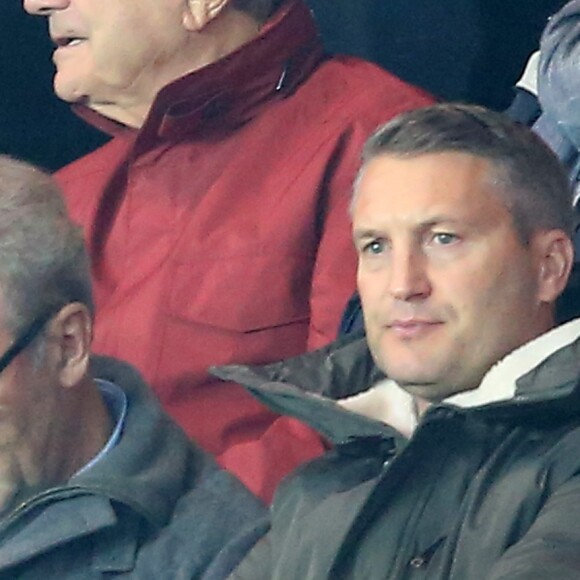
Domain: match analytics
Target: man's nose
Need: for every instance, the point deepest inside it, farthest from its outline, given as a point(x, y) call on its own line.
point(408, 276)
point(44, 7)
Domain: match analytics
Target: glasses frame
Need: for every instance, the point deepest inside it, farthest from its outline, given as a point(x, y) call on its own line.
point(24, 339)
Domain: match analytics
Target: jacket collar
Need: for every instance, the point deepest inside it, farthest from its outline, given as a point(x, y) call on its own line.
point(233, 90)
point(139, 471)
point(306, 386)
point(545, 370)
point(64, 521)
point(501, 382)
point(147, 471)
point(391, 404)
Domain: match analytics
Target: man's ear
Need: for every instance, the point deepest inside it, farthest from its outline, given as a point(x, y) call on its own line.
point(72, 330)
point(197, 14)
point(555, 253)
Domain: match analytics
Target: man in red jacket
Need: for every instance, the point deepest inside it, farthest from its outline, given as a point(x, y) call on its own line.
point(216, 217)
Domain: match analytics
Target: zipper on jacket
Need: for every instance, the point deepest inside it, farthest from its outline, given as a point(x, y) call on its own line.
point(422, 560)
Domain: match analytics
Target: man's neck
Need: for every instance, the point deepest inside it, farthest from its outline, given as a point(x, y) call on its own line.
point(217, 40)
point(97, 426)
point(68, 442)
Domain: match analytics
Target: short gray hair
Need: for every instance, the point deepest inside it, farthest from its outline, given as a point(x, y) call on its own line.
point(260, 10)
point(43, 261)
point(529, 177)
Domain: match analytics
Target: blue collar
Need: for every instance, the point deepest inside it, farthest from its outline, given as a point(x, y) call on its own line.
point(116, 402)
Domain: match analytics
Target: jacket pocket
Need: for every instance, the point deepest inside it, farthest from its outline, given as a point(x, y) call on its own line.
point(221, 310)
point(243, 293)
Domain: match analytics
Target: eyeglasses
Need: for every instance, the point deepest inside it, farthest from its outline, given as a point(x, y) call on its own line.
point(24, 339)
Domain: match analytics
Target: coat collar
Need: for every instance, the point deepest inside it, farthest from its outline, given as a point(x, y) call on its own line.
point(545, 370)
point(306, 386)
point(64, 521)
point(391, 404)
point(139, 471)
point(500, 383)
point(233, 90)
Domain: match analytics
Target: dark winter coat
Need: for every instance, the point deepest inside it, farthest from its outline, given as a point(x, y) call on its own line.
point(487, 492)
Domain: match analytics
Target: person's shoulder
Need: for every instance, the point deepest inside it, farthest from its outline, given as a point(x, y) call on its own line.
point(208, 533)
point(371, 82)
point(347, 90)
point(214, 524)
point(100, 161)
point(206, 518)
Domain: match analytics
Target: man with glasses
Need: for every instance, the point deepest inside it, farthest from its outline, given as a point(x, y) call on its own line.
point(94, 477)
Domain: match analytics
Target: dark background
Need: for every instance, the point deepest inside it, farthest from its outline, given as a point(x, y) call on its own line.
point(469, 50)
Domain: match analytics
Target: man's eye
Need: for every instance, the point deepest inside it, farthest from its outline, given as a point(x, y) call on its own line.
point(374, 247)
point(444, 238)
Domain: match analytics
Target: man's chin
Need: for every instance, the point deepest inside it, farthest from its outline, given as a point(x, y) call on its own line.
point(423, 383)
point(411, 370)
point(68, 93)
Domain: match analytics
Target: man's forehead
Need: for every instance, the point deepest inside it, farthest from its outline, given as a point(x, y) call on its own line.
point(434, 187)
point(443, 166)
point(440, 177)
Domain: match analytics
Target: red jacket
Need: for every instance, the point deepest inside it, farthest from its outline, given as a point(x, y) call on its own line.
point(219, 232)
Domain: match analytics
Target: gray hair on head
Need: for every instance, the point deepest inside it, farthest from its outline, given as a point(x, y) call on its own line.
point(525, 173)
point(43, 261)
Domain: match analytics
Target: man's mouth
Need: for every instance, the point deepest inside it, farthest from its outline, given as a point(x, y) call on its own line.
point(68, 41)
point(413, 328)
